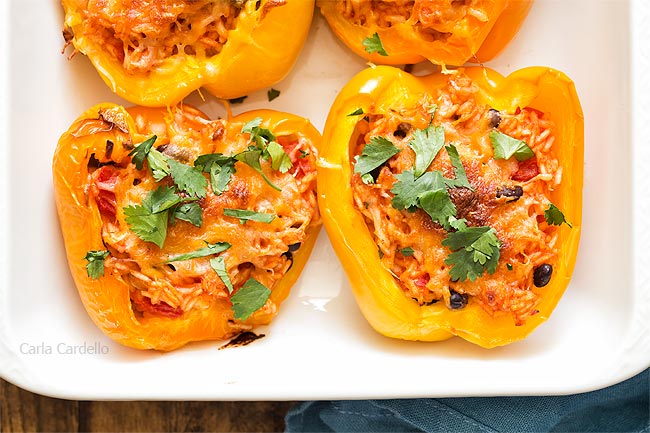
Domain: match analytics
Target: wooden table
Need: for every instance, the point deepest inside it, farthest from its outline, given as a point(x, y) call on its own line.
point(21, 411)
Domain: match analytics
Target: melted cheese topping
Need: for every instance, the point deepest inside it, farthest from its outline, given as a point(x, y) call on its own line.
point(142, 34)
point(259, 250)
point(434, 19)
point(527, 240)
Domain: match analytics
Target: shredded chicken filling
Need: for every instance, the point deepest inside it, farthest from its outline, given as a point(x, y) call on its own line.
point(434, 19)
point(143, 34)
point(527, 240)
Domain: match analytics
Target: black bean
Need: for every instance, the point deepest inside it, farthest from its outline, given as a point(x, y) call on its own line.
point(514, 193)
point(542, 275)
point(294, 247)
point(495, 118)
point(289, 256)
point(109, 148)
point(402, 130)
point(457, 300)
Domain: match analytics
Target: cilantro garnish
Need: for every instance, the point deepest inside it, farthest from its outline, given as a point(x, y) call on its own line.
point(148, 226)
point(426, 144)
point(373, 44)
point(149, 220)
point(209, 250)
point(373, 156)
point(158, 164)
point(265, 147)
point(461, 180)
point(251, 158)
point(303, 154)
point(249, 215)
point(95, 266)
point(161, 199)
point(220, 167)
point(505, 147)
point(272, 94)
point(438, 205)
point(408, 188)
point(475, 250)
point(407, 251)
point(190, 212)
point(249, 298)
point(554, 216)
point(219, 266)
point(156, 160)
point(356, 112)
point(280, 161)
point(188, 179)
point(139, 152)
point(509, 266)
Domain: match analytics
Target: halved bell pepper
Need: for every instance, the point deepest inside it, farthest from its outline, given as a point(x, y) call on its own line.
point(96, 181)
point(450, 33)
point(260, 49)
point(383, 90)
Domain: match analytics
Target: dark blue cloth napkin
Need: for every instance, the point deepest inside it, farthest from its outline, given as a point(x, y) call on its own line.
point(624, 407)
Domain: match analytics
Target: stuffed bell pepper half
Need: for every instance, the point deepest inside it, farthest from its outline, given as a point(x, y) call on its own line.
point(454, 200)
point(179, 228)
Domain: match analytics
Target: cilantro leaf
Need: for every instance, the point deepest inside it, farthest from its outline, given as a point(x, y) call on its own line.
point(252, 159)
point(248, 126)
point(249, 215)
point(272, 94)
point(260, 136)
point(95, 266)
point(219, 266)
point(426, 144)
point(161, 199)
point(374, 155)
point(249, 298)
point(554, 216)
point(139, 152)
point(475, 250)
point(280, 161)
point(190, 212)
point(148, 226)
point(407, 251)
point(505, 147)
point(438, 205)
point(459, 170)
point(158, 164)
point(408, 189)
point(149, 220)
point(373, 44)
point(188, 178)
point(458, 224)
point(220, 167)
point(356, 112)
point(209, 250)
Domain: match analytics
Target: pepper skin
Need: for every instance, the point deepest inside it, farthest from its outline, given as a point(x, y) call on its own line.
point(384, 304)
point(107, 299)
point(259, 52)
point(470, 39)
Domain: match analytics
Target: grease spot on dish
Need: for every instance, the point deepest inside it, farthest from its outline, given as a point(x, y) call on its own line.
point(243, 339)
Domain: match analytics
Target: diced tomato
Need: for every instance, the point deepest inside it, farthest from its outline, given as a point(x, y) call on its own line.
point(105, 181)
point(527, 170)
point(423, 280)
point(291, 146)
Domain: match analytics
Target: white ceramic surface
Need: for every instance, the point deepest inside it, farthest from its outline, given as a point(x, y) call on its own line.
point(320, 347)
